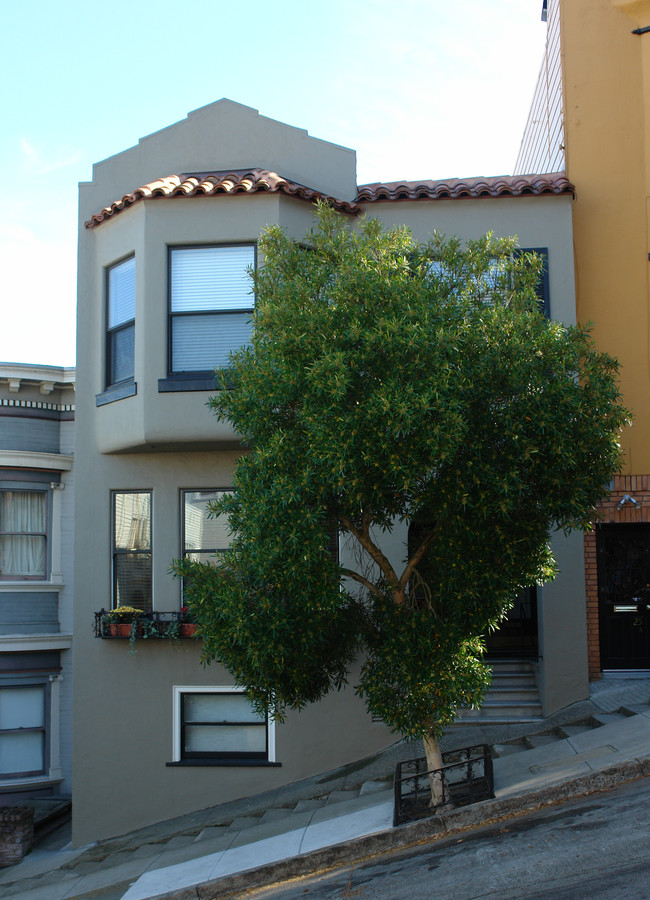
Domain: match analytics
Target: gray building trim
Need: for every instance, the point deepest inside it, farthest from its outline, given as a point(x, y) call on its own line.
point(27, 612)
point(119, 392)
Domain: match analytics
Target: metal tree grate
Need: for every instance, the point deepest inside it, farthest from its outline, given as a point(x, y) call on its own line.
point(466, 778)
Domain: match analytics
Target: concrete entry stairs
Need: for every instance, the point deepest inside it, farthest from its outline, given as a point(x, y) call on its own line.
point(512, 697)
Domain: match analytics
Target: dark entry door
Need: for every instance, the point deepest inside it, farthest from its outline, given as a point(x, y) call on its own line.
point(516, 637)
point(624, 595)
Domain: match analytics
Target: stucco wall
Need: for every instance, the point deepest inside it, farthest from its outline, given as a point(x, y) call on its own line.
point(167, 441)
point(123, 733)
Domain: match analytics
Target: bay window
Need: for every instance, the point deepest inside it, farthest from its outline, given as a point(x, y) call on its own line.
point(211, 302)
point(120, 344)
point(22, 730)
point(23, 533)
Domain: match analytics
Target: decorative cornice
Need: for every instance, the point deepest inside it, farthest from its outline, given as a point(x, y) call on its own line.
point(56, 376)
point(32, 459)
point(31, 643)
point(37, 404)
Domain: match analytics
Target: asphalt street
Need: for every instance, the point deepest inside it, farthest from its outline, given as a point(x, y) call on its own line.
point(596, 847)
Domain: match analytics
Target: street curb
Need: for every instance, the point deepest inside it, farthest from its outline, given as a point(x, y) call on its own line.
point(435, 828)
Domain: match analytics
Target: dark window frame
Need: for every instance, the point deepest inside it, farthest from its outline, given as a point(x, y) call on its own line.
point(182, 379)
point(542, 288)
point(118, 553)
point(185, 552)
point(242, 756)
point(129, 325)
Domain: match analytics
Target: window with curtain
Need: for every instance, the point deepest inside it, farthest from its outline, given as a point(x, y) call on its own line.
point(23, 534)
point(132, 575)
point(120, 344)
point(211, 302)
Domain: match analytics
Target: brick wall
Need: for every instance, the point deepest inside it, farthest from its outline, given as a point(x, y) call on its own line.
point(638, 487)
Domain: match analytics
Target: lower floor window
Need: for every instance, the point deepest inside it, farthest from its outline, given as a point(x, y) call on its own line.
point(23, 533)
point(22, 731)
point(132, 576)
point(220, 724)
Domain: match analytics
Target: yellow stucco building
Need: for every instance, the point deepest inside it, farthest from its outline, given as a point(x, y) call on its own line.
point(591, 117)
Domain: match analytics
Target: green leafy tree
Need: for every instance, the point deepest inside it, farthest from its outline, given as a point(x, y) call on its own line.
point(391, 382)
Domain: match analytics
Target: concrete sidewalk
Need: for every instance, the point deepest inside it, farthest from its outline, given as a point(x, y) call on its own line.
point(347, 815)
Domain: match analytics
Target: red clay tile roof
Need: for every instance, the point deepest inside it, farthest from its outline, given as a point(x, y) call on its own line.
point(211, 184)
point(252, 181)
point(454, 189)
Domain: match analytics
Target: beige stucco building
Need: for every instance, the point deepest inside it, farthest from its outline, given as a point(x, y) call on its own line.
point(166, 231)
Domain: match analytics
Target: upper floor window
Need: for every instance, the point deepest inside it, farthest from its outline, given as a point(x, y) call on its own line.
point(542, 287)
point(132, 577)
point(120, 342)
point(23, 534)
point(211, 301)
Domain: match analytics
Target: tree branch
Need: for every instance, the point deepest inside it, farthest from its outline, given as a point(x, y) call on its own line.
point(364, 581)
point(415, 559)
point(363, 536)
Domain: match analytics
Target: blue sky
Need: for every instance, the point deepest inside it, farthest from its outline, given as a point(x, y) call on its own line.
point(419, 88)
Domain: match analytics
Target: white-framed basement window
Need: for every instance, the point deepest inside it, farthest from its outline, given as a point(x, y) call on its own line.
point(217, 725)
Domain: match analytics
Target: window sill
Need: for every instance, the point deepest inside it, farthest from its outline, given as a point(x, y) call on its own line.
point(187, 382)
point(34, 643)
point(21, 783)
point(42, 584)
point(194, 763)
point(117, 392)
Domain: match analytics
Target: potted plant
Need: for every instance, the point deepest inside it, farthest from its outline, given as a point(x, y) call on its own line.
point(187, 624)
point(124, 621)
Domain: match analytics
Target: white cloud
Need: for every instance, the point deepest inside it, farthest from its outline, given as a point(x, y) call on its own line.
point(37, 287)
point(47, 159)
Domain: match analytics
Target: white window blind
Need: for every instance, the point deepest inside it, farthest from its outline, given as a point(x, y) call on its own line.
point(205, 279)
point(211, 299)
point(121, 293)
point(120, 345)
point(222, 724)
point(203, 343)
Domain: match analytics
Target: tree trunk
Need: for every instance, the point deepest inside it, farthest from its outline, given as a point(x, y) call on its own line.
point(434, 761)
